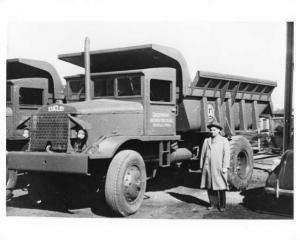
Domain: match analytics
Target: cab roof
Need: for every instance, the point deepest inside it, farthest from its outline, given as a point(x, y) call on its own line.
point(136, 57)
point(18, 68)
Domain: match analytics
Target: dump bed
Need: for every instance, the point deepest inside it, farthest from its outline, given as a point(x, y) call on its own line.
point(28, 68)
point(236, 101)
point(133, 58)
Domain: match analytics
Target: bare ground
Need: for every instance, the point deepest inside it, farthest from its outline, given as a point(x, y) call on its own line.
point(172, 195)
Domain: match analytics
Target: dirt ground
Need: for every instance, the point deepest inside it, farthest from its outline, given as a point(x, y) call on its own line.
point(171, 195)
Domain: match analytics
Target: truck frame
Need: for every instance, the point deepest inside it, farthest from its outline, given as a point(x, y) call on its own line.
point(136, 110)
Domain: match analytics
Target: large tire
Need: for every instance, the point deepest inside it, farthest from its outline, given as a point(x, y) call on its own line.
point(241, 163)
point(125, 183)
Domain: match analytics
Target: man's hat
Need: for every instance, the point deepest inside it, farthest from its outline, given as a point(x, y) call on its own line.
point(214, 123)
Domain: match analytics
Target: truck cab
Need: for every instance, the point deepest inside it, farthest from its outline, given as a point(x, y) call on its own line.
point(30, 85)
point(153, 89)
point(23, 98)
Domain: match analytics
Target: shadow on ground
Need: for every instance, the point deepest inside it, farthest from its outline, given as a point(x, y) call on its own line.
point(188, 199)
point(258, 200)
point(69, 194)
point(167, 178)
point(96, 202)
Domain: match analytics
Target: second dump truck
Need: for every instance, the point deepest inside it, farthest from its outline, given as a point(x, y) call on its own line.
point(135, 110)
point(30, 84)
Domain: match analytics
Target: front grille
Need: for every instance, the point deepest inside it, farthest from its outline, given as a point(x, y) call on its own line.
point(48, 129)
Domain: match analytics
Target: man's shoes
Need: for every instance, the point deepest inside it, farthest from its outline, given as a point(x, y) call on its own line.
point(211, 208)
point(222, 209)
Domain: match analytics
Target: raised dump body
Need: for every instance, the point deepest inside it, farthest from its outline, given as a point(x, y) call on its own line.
point(19, 68)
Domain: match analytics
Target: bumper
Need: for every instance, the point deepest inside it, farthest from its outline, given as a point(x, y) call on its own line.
point(48, 162)
point(279, 192)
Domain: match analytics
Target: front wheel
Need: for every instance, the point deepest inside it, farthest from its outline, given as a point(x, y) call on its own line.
point(125, 183)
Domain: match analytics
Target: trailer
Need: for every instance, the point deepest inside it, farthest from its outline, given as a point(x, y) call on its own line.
point(135, 110)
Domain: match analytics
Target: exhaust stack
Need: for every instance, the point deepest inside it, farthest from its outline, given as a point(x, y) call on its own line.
point(87, 66)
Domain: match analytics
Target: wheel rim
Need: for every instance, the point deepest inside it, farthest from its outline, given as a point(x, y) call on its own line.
point(132, 184)
point(242, 167)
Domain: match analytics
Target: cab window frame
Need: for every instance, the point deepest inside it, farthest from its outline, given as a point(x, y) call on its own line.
point(9, 92)
point(171, 97)
point(41, 92)
point(128, 96)
point(101, 78)
point(115, 85)
point(81, 96)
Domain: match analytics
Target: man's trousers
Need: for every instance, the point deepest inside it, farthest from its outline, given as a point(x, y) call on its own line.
point(217, 198)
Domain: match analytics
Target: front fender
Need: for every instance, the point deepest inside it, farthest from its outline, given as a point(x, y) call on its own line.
point(108, 147)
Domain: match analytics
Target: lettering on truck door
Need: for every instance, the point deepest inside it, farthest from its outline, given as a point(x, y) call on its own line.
point(162, 108)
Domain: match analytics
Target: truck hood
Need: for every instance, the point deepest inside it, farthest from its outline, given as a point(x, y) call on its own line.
point(101, 106)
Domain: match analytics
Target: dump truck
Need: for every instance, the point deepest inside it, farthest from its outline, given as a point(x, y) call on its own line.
point(30, 84)
point(135, 110)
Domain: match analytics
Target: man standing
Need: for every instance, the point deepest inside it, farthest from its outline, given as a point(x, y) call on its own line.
point(214, 162)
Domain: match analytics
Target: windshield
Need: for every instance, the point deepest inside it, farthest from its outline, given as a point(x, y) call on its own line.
point(76, 90)
point(129, 86)
point(125, 86)
point(103, 86)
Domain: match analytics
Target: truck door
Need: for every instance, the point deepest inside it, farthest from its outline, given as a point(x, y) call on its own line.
point(161, 113)
point(29, 96)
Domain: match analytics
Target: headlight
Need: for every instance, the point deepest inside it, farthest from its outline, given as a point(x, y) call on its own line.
point(81, 134)
point(26, 133)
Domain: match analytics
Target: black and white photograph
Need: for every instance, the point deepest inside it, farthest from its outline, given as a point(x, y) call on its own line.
point(150, 119)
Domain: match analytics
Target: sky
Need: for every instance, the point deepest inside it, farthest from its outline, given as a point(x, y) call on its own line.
point(251, 49)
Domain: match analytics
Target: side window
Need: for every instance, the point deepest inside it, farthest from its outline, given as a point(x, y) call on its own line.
point(31, 96)
point(129, 86)
point(103, 87)
point(160, 90)
point(8, 93)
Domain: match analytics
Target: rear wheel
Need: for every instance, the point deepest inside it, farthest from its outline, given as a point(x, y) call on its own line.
point(241, 163)
point(125, 183)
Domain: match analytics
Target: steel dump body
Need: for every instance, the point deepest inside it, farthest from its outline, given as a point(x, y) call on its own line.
point(29, 68)
point(133, 58)
point(237, 102)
